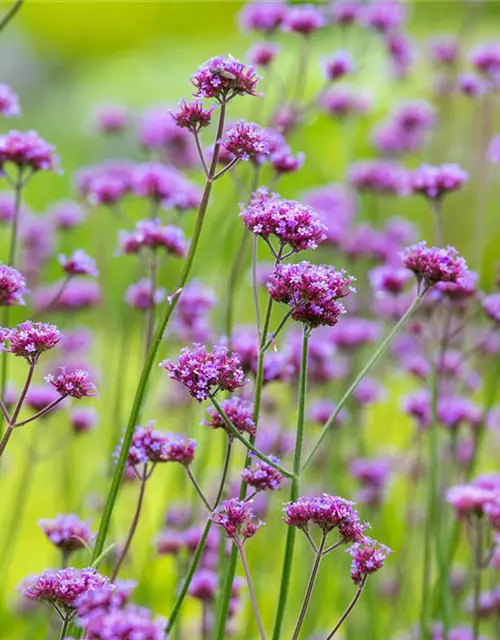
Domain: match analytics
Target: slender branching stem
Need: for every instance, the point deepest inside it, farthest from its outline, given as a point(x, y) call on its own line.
point(251, 590)
point(349, 609)
point(198, 488)
point(40, 414)
point(478, 538)
point(10, 428)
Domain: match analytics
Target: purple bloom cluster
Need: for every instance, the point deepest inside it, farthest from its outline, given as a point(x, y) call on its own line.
point(67, 214)
point(9, 102)
point(152, 445)
point(78, 264)
point(405, 130)
point(30, 339)
point(342, 102)
point(190, 320)
point(368, 556)
point(491, 306)
point(237, 519)
point(312, 291)
point(105, 598)
point(192, 115)
point(340, 64)
point(436, 182)
point(262, 54)
point(141, 295)
point(12, 287)
point(128, 623)
point(265, 17)
point(223, 78)
point(67, 532)
point(379, 176)
point(151, 234)
point(383, 16)
point(159, 132)
point(75, 384)
point(245, 140)
point(304, 19)
point(111, 118)
point(203, 373)
point(27, 150)
point(239, 412)
point(263, 477)
point(433, 264)
point(160, 183)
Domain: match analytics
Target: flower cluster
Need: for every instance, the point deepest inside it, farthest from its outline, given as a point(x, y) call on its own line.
point(433, 264)
point(192, 115)
point(379, 176)
point(222, 78)
point(30, 339)
point(142, 296)
point(78, 264)
point(263, 477)
point(27, 150)
point(245, 140)
point(75, 384)
point(479, 498)
point(151, 234)
point(9, 102)
point(436, 182)
point(155, 446)
point(67, 532)
point(264, 17)
point(237, 519)
point(368, 556)
point(239, 412)
point(127, 623)
point(12, 287)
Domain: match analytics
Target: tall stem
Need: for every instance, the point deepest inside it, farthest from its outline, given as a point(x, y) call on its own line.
point(198, 489)
point(478, 568)
point(378, 353)
point(294, 489)
point(133, 526)
point(437, 208)
point(347, 612)
point(309, 588)
point(155, 345)
point(251, 590)
point(10, 14)
point(64, 628)
point(234, 275)
point(17, 410)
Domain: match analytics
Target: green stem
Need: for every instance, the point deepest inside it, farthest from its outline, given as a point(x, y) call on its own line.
point(478, 568)
point(10, 428)
point(10, 14)
point(378, 353)
point(234, 275)
point(198, 489)
point(347, 612)
point(64, 628)
point(294, 489)
point(251, 590)
point(155, 345)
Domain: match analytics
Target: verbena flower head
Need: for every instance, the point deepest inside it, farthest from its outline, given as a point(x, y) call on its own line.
point(128, 623)
point(379, 176)
point(158, 182)
point(388, 280)
point(152, 445)
point(383, 16)
point(12, 287)
point(223, 78)
point(491, 306)
point(312, 291)
point(203, 372)
point(436, 182)
point(78, 294)
point(75, 384)
point(27, 150)
point(30, 339)
point(263, 54)
point(246, 140)
point(340, 64)
point(368, 556)
point(304, 19)
point(67, 214)
point(264, 17)
point(111, 118)
point(203, 586)
point(159, 132)
point(343, 102)
point(293, 223)
point(83, 419)
point(61, 588)
point(151, 234)
point(237, 519)
point(9, 102)
point(263, 477)
point(345, 12)
point(401, 52)
point(472, 85)
point(40, 396)
point(485, 58)
point(109, 597)
point(192, 115)
point(431, 265)
point(239, 412)
point(444, 50)
point(78, 264)
point(191, 322)
point(142, 296)
point(67, 532)
point(468, 499)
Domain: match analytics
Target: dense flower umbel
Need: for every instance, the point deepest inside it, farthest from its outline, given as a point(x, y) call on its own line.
point(73, 383)
point(246, 140)
point(237, 519)
point(238, 411)
point(203, 373)
point(342, 102)
point(312, 291)
point(328, 512)
point(67, 214)
point(109, 597)
point(293, 223)
point(433, 264)
point(67, 532)
point(151, 234)
point(223, 78)
point(368, 556)
point(263, 477)
point(62, 587)
point(158, 182)
point(27, 150)
point(436, 182)
point(12, 287)
point(262, 54)
point(129, 623)
point(9, 102)
point(78, 264)
point(192, 115)
point(152, 445)
point(30, 339)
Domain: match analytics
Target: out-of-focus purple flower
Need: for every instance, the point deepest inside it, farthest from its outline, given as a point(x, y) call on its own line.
point(222, 78)
point(239, 412)
point(9, 102)
point(323, 363)
point(345, 12)
point(458, 292)
point(383, 15)
point(368, 556)
point(336, 207)
point(436, 182)
point(468, 499)
point(263, 54)
point(152, 445)
point(343, 102)
point(192, 115)
point(67, 532)
point(72, 383)
point(83, 419)
point(30, 339)
point(78, 264)
point(368, 391)
point(370, 471)
point(286, 119)
point(263, 477)
point(151, 234)
point(444, 50)
point(245, 140)
point(40, 396)
point(141, 295)
point(190, 322)
point(494, 150)
point(320, 412)
point(159, 132)
point(128, 623)
point(472, 85)
point(7, 206)
point(78, 294)
point(203, 372)
point(283, 161)
point(158, 182)
point(433, 264)
point(388, 280)
point(337, 66)
point(27, 150)
point(418, 406)
point(401, 52)
point(12, 287)
point(264, 17)
point(204, 584)
point(100, 182)
point(355, 333)
point(405, 130)
point(453, 411)
point(485, 58)
point(379, 176)
point(169, 542)
point(237, 519)
point(491, 306)
point(304, 19)
point(111, 118)
point(293, 223)
point(109, 597)
point(67, 214)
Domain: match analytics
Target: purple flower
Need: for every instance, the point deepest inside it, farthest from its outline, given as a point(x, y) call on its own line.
point(469, 499)
point(30, 339)
point(336, 206)
point(61, 588)
point(9, 102)
point(158, 182)
point(368, 391)
point(111, 118)
point(192, 115)
point(152, 445)
point(169, 542)
point(436, 182)
point(472, 85)
point(323, 363)
point(383, 15)
point(444, 50)
point(370, 472)
point(494, 150)
point(78, 264)
point(340, 64)
point(67, 214)
point(283, 161)
point(368, 556)
point(106, 188)
point(485, 58)
point(223, 78)
point(355, 333)
point(263, 477)
point(75, 384)
point(203, 373)
point(239, 412)
point(345, 12)
point(312, 291)
point(246, 140)
point(263, 54)
point(151, 234)
point(237, 519)
point(109, 597)
point(379, 176)
point(432, 264)
point(178, 448)
point(388, 280)
point(158, 131)
point(452, 411)
point(40, 396)
point(27, 150)
point(12, 287)
point(67, 532)
point(128, 623)
point(78, 294)
point(304, 19)
point(265, 17)
point(142, 297)
point(400, 50)
point(491, 306)
point(204, 584)
point(294, 224)
point(83, 419)
point(342, 102)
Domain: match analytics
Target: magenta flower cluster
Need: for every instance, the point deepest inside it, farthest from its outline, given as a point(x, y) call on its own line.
point(192, 116)
point(30, 339)
point(368, 556)
point(76, 384)
point(432, 264)
point(12, 287)
point(152, 235)
point(155, 446)
point(26, 150)
point(78, 264)
point(237, 519)
point(263, 477)
point(245, 140)
point(223, 78)
point(436, 182)
point(239, 412)
point(67, 532)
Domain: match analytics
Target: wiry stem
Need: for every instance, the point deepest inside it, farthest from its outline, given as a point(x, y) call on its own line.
point(478, 532)
point(347, 612)
point(198, 489)
point(17, 410)
point(251, 590)
point(10, 14)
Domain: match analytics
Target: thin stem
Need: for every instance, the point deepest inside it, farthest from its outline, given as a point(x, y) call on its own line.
point(233, 281)
point(251, 590)
point(10, 14)
point(201, 546)
point(255, 284)
point(198, 488)
point(332, 547)
point(378, 353)
point(278, 329)
point(4, 411)
point(236, 434)
point(347, 612)
point(437, 208)
point(200, 152)
point(227, 168)
point(478, 568)
point(155, 345)
point(294, 488)
point(7, 435)
point(309, 588)
point(133, 527)
point(41, 413)
point(309, 538)
point(64, 628)
point(304, 53)
point(56, 297)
